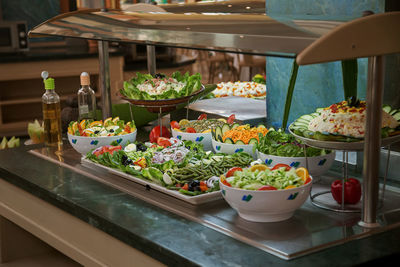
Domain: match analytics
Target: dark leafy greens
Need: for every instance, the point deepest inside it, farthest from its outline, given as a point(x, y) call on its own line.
point(131, 90)
point(279, 143)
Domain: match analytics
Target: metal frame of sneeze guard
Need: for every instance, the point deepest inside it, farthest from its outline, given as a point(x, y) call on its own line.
point(313, 42)
point(372, 36)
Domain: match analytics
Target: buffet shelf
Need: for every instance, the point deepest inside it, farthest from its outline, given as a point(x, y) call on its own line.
point(311, 229)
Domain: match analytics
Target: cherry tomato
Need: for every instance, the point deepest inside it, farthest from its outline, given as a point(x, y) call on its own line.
point(185, 187)
point(232, 171)
point(155, 133)
point(231, 119)
point(175, 125)
point(280, 165)
point(164, 142)
point(267, 187)
point(190, 130)
point(202, 117)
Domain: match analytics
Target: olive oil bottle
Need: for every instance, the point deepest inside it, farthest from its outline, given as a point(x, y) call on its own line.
point(51, 114)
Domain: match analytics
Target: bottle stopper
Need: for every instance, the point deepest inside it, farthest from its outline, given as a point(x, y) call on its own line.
point(85, 78)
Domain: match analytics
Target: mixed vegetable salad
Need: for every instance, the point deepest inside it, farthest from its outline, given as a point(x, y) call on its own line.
point(158, 87)
point(260, 177)
point(110, 127)
point(279, 143)
point(178, 165)
point(201, 125)
point(238, 134)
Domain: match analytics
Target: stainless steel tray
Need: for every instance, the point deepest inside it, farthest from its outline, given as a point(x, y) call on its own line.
point(195, 200)
point(347, 146)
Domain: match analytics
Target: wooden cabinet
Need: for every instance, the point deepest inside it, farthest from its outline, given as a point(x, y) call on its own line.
point(21, 87)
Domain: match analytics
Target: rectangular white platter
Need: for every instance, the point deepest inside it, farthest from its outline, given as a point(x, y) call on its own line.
point(194, 200)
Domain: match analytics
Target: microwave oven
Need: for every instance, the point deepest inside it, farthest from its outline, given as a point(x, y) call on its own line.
point(13, 36)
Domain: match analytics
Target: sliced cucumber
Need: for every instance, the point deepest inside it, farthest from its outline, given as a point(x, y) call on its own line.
point(253, 141)
point(393, 111)
point(226, 127)
point(213, 133)
point(235, 125)
point(319, 110)
point(239, 142)
point(300, 124)
point(315, 114)
point(228, 141)
point(387, 108)
point(303, 121)
point(299, 131)
point(218, 133)
point(308, 134)
point(298, 127)
point(306, 117)
point(397, 116)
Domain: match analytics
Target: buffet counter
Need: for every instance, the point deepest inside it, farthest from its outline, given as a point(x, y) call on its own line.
point(97, 224)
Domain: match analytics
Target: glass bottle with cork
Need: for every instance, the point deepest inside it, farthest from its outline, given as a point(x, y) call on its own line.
point(86, 99)
point(51, 113)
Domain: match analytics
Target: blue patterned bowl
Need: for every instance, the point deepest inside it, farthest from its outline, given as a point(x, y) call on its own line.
point(84, 144)
point(220, 147)
point(202, 138)
point(265, 206)
point(316, 165)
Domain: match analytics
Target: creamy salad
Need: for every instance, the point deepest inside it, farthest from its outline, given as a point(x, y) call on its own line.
point(345, 120)
point(243, 89)
point(157, 86)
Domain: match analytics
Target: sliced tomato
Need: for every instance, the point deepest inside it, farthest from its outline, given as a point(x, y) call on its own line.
point(267, 187)
point(308, 180)
point(280, 165)
point(190, 130)
point(231, 119)
point(164, 142)
point(175, 125)
point(185, 187)
point(202, 117)
point(232, 171)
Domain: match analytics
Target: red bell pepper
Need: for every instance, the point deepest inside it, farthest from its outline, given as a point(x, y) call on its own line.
point(352, 191)
point(155, 133)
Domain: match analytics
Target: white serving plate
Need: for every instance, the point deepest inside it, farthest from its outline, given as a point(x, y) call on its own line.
point(195, 200)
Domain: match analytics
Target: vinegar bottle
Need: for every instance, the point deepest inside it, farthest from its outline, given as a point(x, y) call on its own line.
point(86, 99)
point(51, 114)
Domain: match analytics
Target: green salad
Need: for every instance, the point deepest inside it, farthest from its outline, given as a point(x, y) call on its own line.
point(265, 179)
point(159, 86)
point(279, 143)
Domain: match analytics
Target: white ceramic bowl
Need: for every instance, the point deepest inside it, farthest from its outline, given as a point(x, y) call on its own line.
point(84, 144)
point(202, 138)
point(220, 147)
point(265, 206)
point(316, 165)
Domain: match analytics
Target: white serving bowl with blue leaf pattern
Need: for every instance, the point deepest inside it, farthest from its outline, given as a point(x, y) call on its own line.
point(220, 147)
point(84, 144)
point(266, 206)
point(316, 165)
point(202, 138)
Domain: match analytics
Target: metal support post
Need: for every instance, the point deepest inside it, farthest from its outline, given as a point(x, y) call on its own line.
point(151, 59)
point(372, 142)
point(104, 79)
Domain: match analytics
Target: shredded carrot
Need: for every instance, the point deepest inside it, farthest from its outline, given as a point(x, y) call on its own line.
point(244, 133)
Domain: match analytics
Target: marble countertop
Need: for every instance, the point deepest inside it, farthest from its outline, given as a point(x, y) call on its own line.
point(167, 237)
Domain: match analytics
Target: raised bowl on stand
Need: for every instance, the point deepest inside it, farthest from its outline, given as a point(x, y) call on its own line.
point(317, 165)
point(84, 144)
point(265, 206)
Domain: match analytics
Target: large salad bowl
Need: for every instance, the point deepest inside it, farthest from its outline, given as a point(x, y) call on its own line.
point(84, 144)
point(265, 206)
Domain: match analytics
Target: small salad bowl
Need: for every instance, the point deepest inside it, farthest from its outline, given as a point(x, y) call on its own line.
point(220, 147)
point(84, 144)
point(317, 165)
point(266, 206)
point(202, 138)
